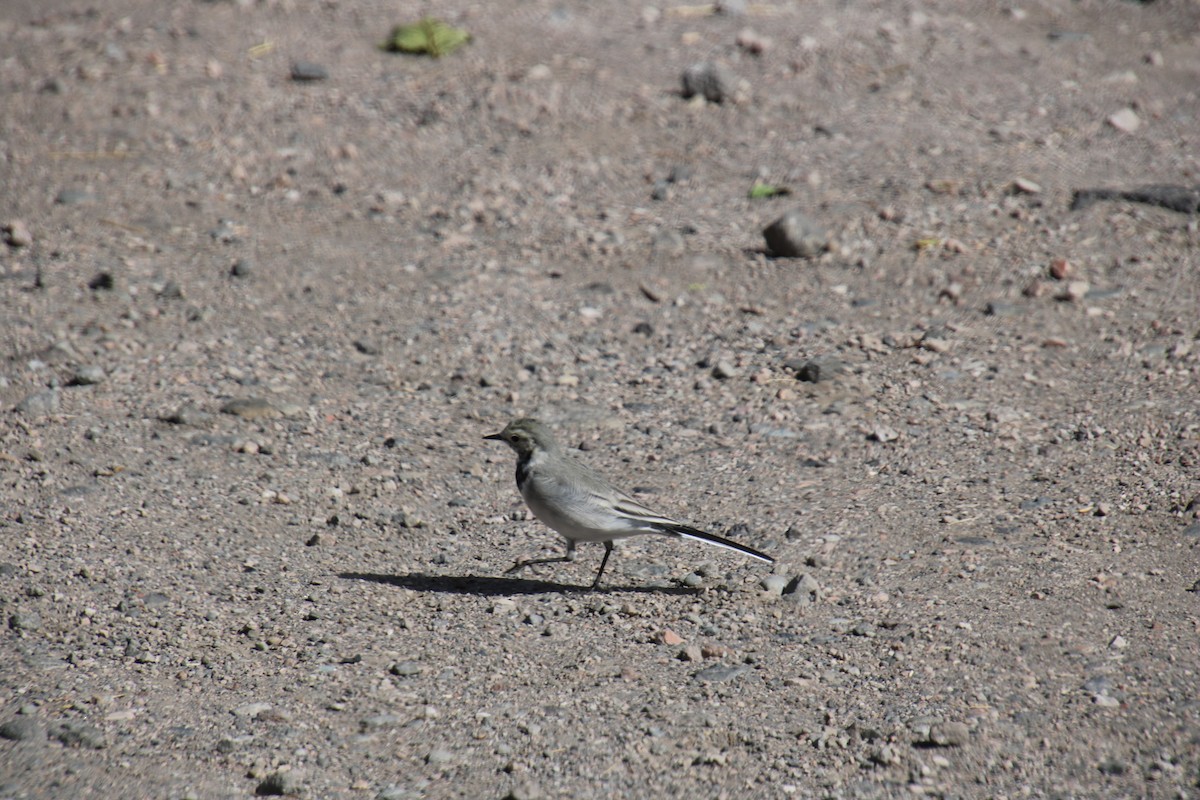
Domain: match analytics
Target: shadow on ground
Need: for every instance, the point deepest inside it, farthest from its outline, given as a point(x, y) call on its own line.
point(489, 587)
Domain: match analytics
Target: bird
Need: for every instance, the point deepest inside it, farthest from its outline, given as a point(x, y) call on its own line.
point(582, 506)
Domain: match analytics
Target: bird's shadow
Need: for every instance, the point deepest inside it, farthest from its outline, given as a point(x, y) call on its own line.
point(485, 586)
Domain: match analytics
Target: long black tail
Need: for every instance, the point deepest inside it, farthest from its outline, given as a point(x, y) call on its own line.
point(712, 538)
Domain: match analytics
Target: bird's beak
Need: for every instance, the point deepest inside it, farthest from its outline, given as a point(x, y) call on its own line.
point(497, 436)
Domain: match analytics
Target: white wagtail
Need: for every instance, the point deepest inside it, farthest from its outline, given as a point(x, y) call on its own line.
point(581, 505)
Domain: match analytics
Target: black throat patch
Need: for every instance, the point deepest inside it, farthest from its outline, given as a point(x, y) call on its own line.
point(523, 470)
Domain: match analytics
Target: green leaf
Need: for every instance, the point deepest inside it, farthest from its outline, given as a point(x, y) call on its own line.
point(762, 190)
point(429, 36)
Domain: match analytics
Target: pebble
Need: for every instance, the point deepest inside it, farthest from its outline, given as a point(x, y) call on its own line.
point(187, 415)
point(308, 71)
point(1126, 120)
point(525, 791)
point(1026, 186)
point(718, 673)
point(380, 722)
point(281, 782)
point(40, 404)
point(251, 710)
point(1073, 292)
point(439, 757)
point(724, 370)
point(406, 669)
point(22, 729)
point(691, 653)
point(815, 370)
point(242, 268)
point(88, 375)
point(669, 637)
point(74, 197)
point(775, 584)
point(77, 734)
point(251, 408)
point(883, 433)
point(804, 586)
point(796, 235)
point(949, 734)
point(710, 80)
point(397, 793)
point(750, 41)
point(16, 234)
point(102, 282)
point(25, 621)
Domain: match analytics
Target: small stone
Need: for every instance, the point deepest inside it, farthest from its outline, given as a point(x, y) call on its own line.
point(691, 653)
point(1126, 120)
point(669, 638)
point(16, 234)
point(88, 375)
point(710, 80)
point(367, 347)
point(1060, 268)
point(40, 404)
point(398, 793)
point(439, 757)
point(1035, 288)
point(796, 235)
point(252, 408)
point(77, 734)
point(525, 791)
point(102, 282)
point(752, 43)
point(380, 722)
point(22, 729)
point(25, 621)
point(1026, 186)
point(718, 673)
point(251, 710)
point(883, 433)
point(815, 370)
point(724, 370)
point(949, 734)
point(308, 71)
point(775, 584)
point(242, 268)
point(1073, 292)
point(186, 415)
point(805, 585)
point(74, 197)
point(406, 669)
point(999, 308)
point(281, 782)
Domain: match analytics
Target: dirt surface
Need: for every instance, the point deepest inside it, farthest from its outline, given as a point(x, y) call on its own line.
point(988, 547)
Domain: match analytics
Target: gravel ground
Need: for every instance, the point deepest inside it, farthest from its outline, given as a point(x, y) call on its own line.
point(257, 320)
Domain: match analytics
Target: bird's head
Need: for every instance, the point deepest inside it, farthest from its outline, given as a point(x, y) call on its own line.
point(525, 436)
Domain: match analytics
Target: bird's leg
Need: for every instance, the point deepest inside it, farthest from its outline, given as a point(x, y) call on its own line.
point(608, 548)
point(520, 565)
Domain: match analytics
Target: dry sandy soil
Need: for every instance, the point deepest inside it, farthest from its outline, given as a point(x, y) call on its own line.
point(988, 547)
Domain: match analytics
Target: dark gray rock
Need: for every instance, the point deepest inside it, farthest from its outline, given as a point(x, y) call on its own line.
point(796, 235)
